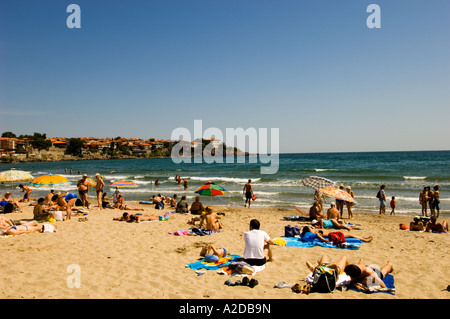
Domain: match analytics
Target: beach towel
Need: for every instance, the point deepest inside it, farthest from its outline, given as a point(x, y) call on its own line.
point(351, 243)
point(203, 264)
point(194, 231)
point(388, 281)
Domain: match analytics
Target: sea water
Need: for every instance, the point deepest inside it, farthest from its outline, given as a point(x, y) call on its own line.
point(404, 174)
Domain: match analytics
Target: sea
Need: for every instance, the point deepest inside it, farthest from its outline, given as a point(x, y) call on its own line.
point(404, 174)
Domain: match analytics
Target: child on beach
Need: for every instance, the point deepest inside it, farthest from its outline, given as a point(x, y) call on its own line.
point(393, 205)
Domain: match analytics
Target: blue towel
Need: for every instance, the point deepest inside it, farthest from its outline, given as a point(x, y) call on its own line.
point(388, 281)
point(202, 263)
point(297, 242)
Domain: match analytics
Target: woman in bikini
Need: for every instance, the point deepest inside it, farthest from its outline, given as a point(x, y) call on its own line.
point(121, 205)
point(8, 228)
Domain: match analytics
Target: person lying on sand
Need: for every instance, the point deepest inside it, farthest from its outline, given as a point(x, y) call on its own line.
point(439, 227)
point(329, 223)
point(124, 218)
point(368, 276)
point(309, 234)
point(8, 228)
point(139, 218)
point(121, 205)
point(219, 252)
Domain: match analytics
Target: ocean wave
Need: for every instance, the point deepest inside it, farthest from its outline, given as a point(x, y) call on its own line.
point(415, 177)
point(223, 179)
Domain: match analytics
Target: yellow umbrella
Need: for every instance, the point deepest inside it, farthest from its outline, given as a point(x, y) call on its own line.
point(49, 181)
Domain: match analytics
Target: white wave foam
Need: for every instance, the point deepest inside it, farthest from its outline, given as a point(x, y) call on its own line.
point(414, 177)
point(223, 179)
point(325, 169)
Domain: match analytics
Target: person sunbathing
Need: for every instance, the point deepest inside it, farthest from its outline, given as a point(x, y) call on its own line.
point(219, 252)
point(329, 223)
point(309, 234)
point(211, 219)
point(439, 227)
point(8, 228)
point(121, 205)
point(368, 275)
point(416, 224)
point(139, 218)
point(124, 218)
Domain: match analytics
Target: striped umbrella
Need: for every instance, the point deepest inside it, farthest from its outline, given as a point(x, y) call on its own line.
point(123, 184)
point(91, 183)
point(337, 193)
point(14, 175)
point(49, 181)
point(211, 189)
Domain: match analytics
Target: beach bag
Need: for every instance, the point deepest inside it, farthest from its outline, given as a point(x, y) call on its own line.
point(291, 231)
point(58, 215)
point(324, 280)
point(378, 194)
point(337, 238)
point(9, 208)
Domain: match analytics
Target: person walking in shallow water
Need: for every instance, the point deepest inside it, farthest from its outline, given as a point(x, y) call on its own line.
point(248, 192)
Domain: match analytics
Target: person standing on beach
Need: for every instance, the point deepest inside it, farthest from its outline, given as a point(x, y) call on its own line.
point(83, 188)
point(423, 200)
point(436, 202)
point(381, 195)
point(248, 192)
point(340, 203)
point(350, 204)
point(99, 189)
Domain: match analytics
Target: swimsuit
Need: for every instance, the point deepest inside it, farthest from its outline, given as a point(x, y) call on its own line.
point(224, 252)
point(248, 195)
point(83, 192)
point(327, 223)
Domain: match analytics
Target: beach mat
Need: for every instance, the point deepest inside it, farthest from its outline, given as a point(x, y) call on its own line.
point(388, 281)
point(297, 242)
point(202, 264)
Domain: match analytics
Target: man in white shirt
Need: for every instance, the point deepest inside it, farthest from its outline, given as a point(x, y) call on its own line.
point(257, 245)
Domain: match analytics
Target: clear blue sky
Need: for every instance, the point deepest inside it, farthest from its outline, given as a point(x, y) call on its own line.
point(313, 69)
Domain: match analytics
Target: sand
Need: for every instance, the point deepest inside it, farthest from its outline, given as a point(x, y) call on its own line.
point(130, 260)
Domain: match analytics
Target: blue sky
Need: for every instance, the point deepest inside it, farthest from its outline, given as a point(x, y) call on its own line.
point(313, 69)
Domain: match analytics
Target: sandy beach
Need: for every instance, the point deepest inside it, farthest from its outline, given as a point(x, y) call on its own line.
point(130, 260)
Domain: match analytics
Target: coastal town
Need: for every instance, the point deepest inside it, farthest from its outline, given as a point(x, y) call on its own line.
point(39, 147)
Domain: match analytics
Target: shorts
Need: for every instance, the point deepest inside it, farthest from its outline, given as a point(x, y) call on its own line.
point(248, 195)
point(378, 272)
point(382, 204)
point(435, 204)
point(255, 262)
point(83, 192)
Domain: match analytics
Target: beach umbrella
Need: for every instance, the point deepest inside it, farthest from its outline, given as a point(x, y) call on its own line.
point(123, 184)
point(14, 175)
point(49, 181)
point(337, 193)
point(211, 189)
point(317, 182)
point(91, 183)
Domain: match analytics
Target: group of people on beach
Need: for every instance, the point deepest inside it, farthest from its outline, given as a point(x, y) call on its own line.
point(429, 198)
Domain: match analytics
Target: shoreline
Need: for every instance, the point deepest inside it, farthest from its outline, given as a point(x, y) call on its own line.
point(120, 260)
